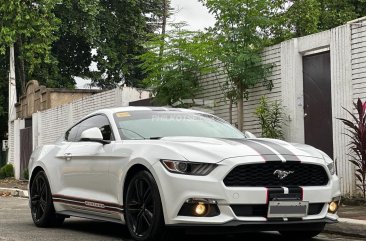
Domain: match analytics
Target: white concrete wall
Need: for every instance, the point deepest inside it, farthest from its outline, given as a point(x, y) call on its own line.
point(358, 55)
point(341, 85)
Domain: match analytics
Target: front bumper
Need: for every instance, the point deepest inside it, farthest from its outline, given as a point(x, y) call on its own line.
point(239, 226)
point(175, 189)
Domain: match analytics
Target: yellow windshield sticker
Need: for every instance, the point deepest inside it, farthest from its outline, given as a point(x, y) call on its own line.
point(123, 114)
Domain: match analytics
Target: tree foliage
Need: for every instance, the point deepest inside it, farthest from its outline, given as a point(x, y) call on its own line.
point(30, 25)
point(173, 74)
point(241, 33)
point(77, 34)
point(303, 17)
point(122, 32)
point(55, 41)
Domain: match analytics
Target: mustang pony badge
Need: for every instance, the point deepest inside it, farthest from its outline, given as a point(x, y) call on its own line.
point(282, 174)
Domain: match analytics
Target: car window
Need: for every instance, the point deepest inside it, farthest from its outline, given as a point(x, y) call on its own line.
point(72, 133)
point(157, 124)
point(99, 121)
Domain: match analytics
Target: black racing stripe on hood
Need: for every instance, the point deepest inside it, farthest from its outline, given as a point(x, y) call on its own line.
point(272, 192)
point(296, 190)
point(266, 153)
point(286, 153)
point(275, 193)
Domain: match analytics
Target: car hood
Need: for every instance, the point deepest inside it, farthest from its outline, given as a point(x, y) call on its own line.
point(214, 150)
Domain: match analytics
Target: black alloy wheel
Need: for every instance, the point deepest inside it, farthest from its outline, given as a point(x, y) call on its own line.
point(42, 209)
point(143, 209)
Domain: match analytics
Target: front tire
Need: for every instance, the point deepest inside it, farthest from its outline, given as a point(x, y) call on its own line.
point(42, 209)
point(143, 210)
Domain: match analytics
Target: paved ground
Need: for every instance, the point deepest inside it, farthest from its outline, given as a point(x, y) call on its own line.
point(355, 212)
point(16, 224)
point(11, 182)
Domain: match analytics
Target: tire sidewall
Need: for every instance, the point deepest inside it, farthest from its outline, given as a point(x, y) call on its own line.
point(157, 231)
point(49, 210)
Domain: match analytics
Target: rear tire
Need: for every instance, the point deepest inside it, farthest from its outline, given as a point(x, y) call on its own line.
point(143, 210)
point(42, 209)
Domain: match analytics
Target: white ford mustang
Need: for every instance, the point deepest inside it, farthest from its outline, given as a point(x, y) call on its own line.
point(154, 168)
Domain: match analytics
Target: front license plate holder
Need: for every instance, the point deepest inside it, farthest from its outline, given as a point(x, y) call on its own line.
point(287, 209)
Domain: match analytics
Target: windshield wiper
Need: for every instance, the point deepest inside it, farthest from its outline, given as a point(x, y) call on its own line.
point(156, 137)
point(133, 132)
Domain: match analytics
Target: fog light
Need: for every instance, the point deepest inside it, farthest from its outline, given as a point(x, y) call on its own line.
point(333, 207)
point(200, 209)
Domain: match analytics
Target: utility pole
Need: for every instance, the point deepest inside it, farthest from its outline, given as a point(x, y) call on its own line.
point(12, 102)
point(12, 87)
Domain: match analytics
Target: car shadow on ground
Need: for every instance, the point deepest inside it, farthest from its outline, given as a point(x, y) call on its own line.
point(119, 232)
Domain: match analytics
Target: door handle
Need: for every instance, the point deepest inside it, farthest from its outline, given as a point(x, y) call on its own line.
point(68, 156)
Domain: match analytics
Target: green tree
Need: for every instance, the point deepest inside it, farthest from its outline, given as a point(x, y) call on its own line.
point(77, 33)
point(173, 74)
point(303, 17)
point(30, 25)
point(124, 28)
point(241, 32)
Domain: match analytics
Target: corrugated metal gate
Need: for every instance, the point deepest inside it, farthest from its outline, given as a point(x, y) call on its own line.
point(25, 149)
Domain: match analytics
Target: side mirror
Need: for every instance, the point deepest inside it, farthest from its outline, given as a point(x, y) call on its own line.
point(93, 135)
point(249, 135)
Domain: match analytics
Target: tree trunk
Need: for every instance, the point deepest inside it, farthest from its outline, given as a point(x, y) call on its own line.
point(20, 65)
point(163, 25)
point(240, 113)
point(240, 106)
point(231, 111)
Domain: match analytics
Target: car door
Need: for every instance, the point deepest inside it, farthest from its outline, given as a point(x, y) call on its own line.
point(85, 174)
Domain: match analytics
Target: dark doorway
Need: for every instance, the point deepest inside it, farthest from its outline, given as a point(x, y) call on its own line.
point(26, 146)
point(318, 102)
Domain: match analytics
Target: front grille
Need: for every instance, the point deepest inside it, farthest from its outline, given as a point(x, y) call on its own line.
point(262, 175)
point(261, 210)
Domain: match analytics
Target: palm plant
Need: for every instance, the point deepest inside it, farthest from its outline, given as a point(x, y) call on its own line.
point(357, 132)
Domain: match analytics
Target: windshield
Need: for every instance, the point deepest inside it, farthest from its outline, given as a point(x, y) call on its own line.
point(157, 124)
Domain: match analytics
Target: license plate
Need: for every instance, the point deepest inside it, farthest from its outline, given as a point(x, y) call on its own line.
point(287, 209)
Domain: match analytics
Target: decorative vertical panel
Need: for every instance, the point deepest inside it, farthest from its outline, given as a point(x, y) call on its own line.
point(340, 51)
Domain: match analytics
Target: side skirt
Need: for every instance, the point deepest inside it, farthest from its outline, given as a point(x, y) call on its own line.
point(90, 216)
point(88, 208)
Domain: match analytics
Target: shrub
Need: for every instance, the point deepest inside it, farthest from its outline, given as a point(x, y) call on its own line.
point(26, 174)
point(357, 132)
point(271, 118)
point(7, 171)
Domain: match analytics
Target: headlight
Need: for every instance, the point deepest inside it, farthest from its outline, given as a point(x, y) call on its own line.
point(331, 168)
point(188, 168)
point(329, 162)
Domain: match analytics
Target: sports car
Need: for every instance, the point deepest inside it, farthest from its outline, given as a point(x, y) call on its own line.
point(159, 168)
